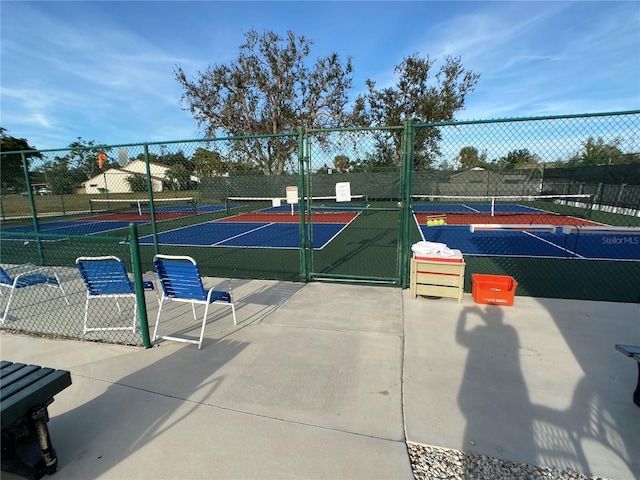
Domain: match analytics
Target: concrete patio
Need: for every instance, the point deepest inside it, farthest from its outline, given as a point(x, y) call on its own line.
point(330, 381)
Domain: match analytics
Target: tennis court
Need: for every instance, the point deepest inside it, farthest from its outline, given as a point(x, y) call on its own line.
point(260, 227)
point(116, 215)
point(268, 227)
point(516, 227)
point(522, 230)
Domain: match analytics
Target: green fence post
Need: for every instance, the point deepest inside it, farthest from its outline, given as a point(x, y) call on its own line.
point(308, 194)
point(139, 286)
point(304, 272)
point(32, 204)
point(152, 211)
point(406, 181)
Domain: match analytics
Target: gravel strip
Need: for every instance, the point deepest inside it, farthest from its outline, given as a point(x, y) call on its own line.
point(434, 463)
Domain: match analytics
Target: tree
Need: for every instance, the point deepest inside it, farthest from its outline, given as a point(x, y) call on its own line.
point(178, 176)
point(469, 157)
point(137, 182)
point(11, 163)
point(417, 96)
point(153, 158)
point(269, 89)
point(597, 152)
point(171, 159)
point(208, 163)
point(58, 176)
point(84, 157)
point(516, 158)
point(341, 163)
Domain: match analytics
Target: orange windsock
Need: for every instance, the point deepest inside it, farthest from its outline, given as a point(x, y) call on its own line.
point(101, 159)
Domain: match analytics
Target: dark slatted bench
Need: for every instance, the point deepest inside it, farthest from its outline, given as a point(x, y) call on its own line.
point(633, 351)
point(25, 393)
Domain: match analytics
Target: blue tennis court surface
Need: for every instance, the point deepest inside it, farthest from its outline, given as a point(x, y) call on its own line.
point(65, 228)
point(246, 234)
point(613, 246)
point(102, 223)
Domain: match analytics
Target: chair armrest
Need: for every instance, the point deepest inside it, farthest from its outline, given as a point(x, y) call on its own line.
point(32, 271)
point(628, 350)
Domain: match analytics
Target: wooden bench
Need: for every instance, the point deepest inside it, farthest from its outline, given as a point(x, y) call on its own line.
point(25, 393)
point(633, 351)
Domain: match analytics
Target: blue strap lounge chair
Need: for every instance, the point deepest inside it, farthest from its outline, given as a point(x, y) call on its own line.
point(107, 277)
point(181, 282)
point(29, 276)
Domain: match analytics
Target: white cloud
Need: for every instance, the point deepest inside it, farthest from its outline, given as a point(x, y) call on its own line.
point(105, 70)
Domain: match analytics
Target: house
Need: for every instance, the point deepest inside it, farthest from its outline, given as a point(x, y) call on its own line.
point(115, 180)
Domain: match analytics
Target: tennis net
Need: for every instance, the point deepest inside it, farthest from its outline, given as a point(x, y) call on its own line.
point(503, 205)
point(280, 204)
point(142, 207)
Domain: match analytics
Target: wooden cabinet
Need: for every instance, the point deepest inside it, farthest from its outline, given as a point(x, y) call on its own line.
point(437, 279)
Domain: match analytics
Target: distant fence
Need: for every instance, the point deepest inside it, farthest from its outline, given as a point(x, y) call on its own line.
point(60, 313)
point(179, 194)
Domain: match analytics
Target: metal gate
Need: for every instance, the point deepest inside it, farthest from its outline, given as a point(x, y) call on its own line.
point(353, 186)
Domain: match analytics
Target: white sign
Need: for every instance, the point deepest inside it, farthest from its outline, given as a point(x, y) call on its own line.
point(292, 194)
point(275, 202)
point(343, 192)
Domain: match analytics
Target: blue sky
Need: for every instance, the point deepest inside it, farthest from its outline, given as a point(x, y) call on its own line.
point(104, 71)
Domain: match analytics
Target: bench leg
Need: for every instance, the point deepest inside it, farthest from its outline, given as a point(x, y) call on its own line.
point(26, 446)
point(40, 417)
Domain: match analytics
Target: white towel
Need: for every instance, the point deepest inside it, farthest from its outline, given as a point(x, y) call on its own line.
point(431, 248)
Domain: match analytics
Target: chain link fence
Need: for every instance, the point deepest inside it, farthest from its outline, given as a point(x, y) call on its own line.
point(43, 293)
point(561, 197)
point(559, 229)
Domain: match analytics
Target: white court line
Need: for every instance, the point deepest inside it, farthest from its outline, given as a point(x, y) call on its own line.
point(56, 230)
point(242, 234)
point(553, 244)
point(337, 233)
point(470, 208)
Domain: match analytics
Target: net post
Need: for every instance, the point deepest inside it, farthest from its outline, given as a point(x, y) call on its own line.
point(590, 206)
point(493, 206)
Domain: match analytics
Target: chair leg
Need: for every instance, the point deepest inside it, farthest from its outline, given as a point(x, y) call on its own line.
point(86, 316)
point(135, 316)
point(193, 307)
point(204, 323)
point(233, 310)
point(155, 329)
point(6, 310)
point(64, 294)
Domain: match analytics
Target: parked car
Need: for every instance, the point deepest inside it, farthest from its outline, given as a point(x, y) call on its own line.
point(44, 191)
